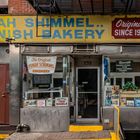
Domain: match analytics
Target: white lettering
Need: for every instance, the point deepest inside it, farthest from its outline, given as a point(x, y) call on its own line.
point(127, 24)
point(123, 32)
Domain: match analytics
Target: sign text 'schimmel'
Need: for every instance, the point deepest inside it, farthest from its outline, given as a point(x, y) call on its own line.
point(127, 28)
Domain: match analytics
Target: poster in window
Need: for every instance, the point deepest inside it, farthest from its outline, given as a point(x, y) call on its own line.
point(41, 65)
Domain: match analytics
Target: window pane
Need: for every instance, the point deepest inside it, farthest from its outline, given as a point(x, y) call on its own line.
point(112, 81)
point(119, 82)
point(137, 81)
point(127, 80)
point(112, 67)
point(57, 82)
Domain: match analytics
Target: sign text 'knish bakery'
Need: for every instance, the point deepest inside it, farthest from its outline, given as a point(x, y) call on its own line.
point(70, 29)
point(51, 28)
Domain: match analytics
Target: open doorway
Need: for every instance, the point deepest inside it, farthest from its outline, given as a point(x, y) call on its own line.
point(87, 96)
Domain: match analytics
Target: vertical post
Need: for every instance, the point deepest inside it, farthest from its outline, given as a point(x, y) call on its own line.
point(14, 84)
point(103, 83)
point(66, 75)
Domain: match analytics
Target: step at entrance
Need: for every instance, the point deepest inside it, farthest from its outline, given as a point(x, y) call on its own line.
point(82, 128)
point(100, 135)
point(6, 130)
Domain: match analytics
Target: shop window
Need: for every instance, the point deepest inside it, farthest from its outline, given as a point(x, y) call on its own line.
point(119, 82)
point(56, 94)
point(42, 81)
point(4, 10)
point(127, 80)
point(44, 89)
point(136, 66)
point(57, 82)
point(112, 67)
point(137, 81)
point(112, 81)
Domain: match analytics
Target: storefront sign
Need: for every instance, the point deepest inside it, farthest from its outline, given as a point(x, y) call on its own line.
point(52, 30)
point(70, 29)
point(126, 28)
point(61, 101)
point(124, 66)
point(41, 65)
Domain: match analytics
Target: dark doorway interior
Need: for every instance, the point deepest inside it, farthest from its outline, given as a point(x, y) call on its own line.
point(87, 93)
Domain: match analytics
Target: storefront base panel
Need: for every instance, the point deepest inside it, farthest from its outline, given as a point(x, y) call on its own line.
point(14, 96)
point(130, 118)
point(46, 119)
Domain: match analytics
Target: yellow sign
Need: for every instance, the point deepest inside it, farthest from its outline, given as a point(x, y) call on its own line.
point(69, 29)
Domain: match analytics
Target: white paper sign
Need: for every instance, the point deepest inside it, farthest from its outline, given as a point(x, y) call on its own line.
point(61, 101)
point(41, 65)
point(49, 102)
point(40, 103)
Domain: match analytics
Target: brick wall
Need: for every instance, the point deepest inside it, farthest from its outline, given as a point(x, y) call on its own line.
point(18, 7)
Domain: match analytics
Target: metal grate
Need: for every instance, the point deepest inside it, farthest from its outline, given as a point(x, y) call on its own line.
point(89, 6)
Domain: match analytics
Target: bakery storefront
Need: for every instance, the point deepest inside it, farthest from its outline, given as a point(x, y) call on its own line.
point(79, 62)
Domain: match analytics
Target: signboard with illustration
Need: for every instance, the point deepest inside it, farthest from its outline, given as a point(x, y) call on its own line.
point(41, 65)
point(70, 29)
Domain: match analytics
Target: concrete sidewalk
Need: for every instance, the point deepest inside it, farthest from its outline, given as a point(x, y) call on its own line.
point(104, 135)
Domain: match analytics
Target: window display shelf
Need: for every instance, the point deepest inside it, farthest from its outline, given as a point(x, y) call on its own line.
point(130, 95)
point(29, 94)
point(38, 98)
point(130, 98)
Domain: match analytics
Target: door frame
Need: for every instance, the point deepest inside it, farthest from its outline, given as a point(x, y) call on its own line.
point(98, 96)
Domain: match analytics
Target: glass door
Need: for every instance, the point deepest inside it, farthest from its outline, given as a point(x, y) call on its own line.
point(87, 94)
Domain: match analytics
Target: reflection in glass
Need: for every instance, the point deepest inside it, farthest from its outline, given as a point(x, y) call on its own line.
point(87, 105)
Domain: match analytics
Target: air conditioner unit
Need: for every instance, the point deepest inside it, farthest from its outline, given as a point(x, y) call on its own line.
point(108, 49)
point(35, 49)
point(61, 49)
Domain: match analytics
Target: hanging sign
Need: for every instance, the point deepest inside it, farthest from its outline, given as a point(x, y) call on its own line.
point(41, 65)
point(124, 66)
